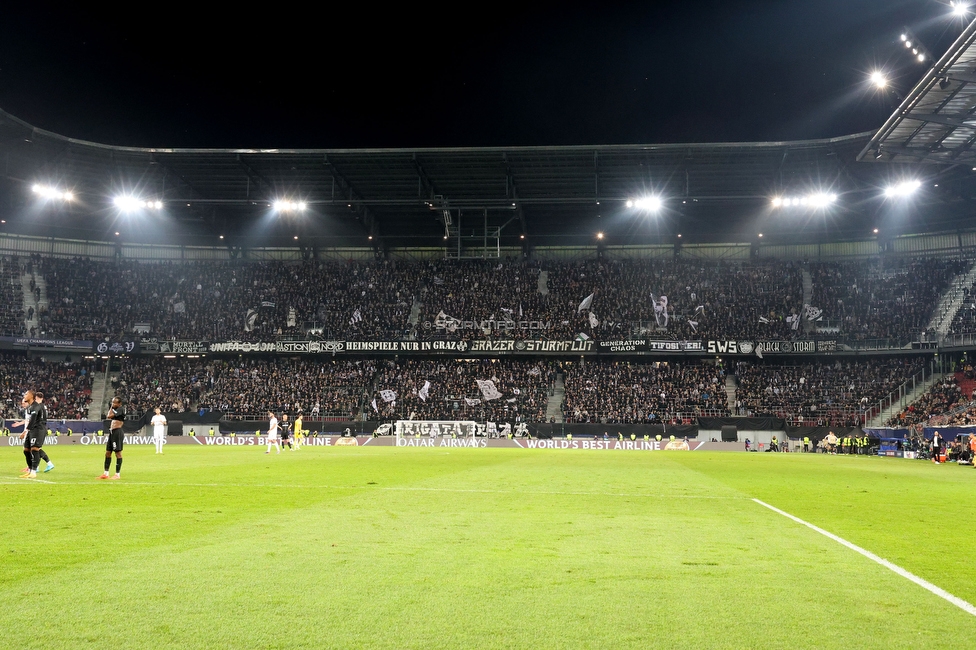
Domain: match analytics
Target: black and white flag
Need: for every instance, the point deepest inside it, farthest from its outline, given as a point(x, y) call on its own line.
point(661, 315)
point(423, 392)
point(812, 313)
point(179, 307)
point(694, 326)
point(794, 321)
point(534, 371)
point(764, 320)
point(488, 390)
point(594, 321)
point(357, 317)
point(375, 408)
point(587, 301)
point(443, 321)
point(472, 402)
point(388, 395)
point(250, 318)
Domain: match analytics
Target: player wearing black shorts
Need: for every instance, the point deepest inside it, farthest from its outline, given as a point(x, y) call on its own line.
point(116, 439)
point(39, 398)
point(285, 427)
point(33, 433)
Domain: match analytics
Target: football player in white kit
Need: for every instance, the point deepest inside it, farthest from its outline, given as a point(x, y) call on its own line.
point(273, 433)
point(159, 430)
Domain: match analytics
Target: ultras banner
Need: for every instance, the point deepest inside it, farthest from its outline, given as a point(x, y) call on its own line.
point(485, 347)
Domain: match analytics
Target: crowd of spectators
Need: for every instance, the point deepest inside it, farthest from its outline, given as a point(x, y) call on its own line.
point(66, 386)
point(173, 385)
point(453, 394)
point(213, 300)
point(880, 298)
point(890, 298)
point(704, 299)
point(822, 394)
point(252, 387)
point(11, 298)
point(245, 388)
point(622, 392)
point(939, 400)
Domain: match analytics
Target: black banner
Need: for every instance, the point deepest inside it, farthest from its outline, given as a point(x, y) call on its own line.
point(770, 347)
point(647, 345)
point(116, 347)
point(183, 347)
point(478, 347)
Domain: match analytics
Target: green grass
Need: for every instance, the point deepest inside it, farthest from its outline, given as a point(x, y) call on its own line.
point(422, 548)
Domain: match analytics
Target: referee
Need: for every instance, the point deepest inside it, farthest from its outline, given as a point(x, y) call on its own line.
point(116, 415)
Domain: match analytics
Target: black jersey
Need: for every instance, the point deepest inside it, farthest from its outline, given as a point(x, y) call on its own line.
point(34, 415)
point(118, 413)
point(43, 416)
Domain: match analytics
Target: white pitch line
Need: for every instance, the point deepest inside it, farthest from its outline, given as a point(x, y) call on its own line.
point(27, 480)
point(924, 584)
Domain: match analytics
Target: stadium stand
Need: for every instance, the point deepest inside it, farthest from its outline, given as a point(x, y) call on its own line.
point(819, 394)
point(620, 392)
point(882, 298)
point(96, 299)
point(245, 388)
point(66, 386)
point(11, 298)
point(362, 301)
point(454, 394)
point(940, 400)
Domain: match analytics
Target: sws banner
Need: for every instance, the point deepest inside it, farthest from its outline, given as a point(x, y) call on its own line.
point(770, 347)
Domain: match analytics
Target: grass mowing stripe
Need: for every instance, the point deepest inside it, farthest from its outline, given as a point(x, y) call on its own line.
point(398, 489)
point(925, 584)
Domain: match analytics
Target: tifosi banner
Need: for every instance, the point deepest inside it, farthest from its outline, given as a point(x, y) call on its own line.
point(646, 345)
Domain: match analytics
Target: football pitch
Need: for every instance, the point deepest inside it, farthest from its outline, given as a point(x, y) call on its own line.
point(226, 547)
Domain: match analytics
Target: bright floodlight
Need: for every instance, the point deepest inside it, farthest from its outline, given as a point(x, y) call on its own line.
point(48, 192)
point(879, 79)
point(647, 203)
point(132, 204)
point(815, 200)
point(959, 8)
point(904, 37)
point(284, 205)
point(905, 188)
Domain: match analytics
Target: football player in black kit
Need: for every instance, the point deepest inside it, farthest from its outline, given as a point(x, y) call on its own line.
point(116, 416)
point(39, 398)
point(33, 433)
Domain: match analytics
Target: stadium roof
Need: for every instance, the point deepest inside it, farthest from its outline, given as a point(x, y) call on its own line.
point(553, 195)
point(936, 122)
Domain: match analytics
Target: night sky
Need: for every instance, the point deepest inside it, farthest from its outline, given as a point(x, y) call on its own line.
point(480, 74)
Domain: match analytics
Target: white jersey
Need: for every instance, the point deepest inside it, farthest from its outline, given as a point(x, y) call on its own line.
point(273, 429)
point(158, 423)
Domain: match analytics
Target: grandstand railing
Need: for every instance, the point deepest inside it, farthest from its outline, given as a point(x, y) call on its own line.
point(900, 395)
